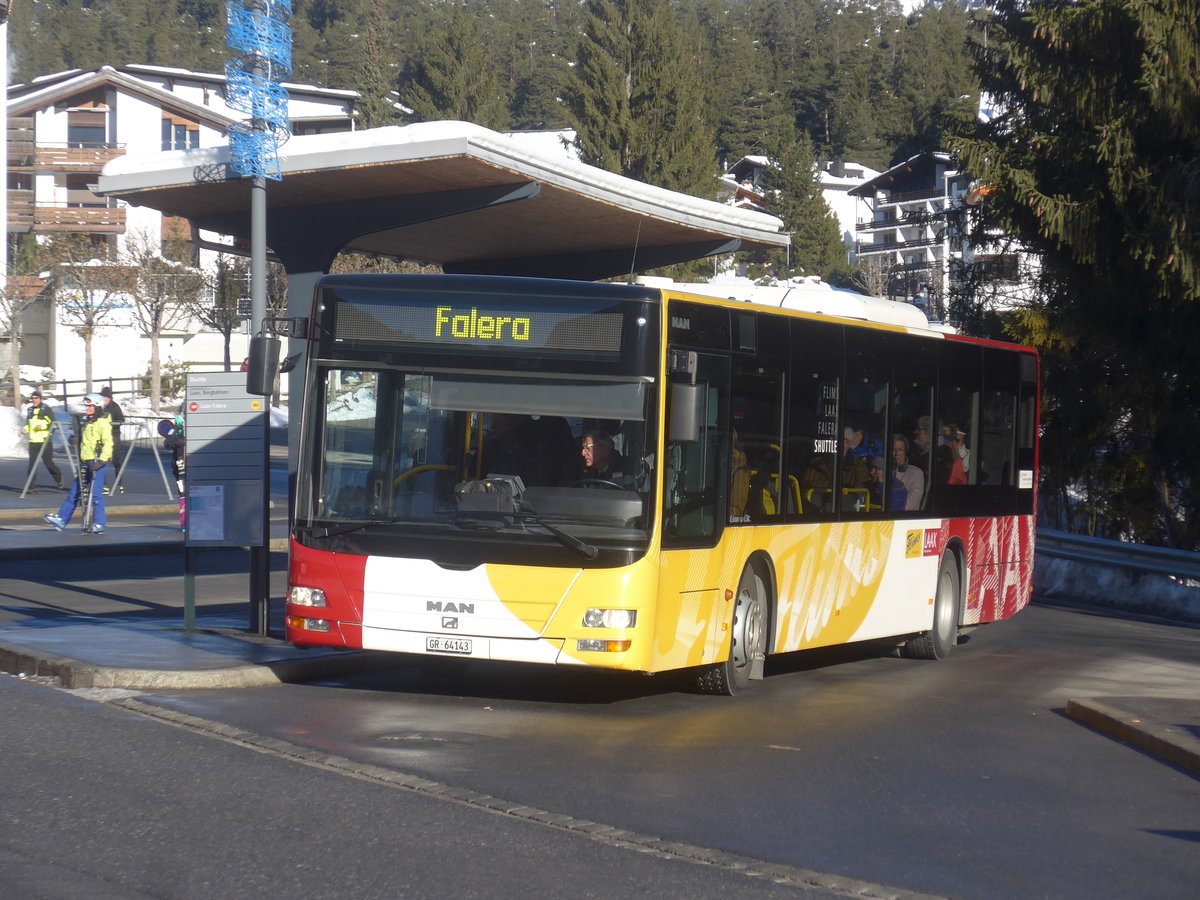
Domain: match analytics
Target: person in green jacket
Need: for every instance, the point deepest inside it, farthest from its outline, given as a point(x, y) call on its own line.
point(95, 452)
point(38, 423)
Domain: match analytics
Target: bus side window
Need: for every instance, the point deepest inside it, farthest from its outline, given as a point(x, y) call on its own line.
point(865, 445)
point(956, 435)
point(756, 409)
point(813, 435)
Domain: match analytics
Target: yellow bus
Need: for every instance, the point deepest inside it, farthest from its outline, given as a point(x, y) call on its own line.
point(638, 477)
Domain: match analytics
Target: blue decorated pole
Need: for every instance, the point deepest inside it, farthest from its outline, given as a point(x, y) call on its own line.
point(259, 29)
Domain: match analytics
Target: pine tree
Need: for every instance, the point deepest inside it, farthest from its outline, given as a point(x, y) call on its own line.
point(635, 99)
point(374, 84)
point(1092, 162)
point(793, 190)
point(455, 78)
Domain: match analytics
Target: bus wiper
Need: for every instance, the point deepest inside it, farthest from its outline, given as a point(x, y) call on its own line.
point(326, 531)
point(588, 551)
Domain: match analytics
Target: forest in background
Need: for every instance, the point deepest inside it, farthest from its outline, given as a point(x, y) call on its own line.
point(864, 81)
point(1092, 162)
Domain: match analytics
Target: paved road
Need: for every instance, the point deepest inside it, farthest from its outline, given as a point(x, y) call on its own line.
point(961, 778)
point(103, 804)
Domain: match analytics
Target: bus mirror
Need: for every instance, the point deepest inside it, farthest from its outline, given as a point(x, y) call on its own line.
point(687, 408)
point(263, 366)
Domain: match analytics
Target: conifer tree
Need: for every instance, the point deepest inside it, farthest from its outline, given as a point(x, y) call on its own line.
point(374, 84)
point(635, 99)
point(455, 77)
point(793, 189)
point(1092, 162)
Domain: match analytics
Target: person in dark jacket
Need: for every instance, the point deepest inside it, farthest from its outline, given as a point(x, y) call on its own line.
point(116, 417)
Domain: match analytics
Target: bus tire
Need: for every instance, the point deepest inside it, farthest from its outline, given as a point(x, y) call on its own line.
point(940, 640)
point(747, 640)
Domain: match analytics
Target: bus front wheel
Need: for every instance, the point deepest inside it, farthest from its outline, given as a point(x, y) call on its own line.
point(747, 640)
point(940, 640)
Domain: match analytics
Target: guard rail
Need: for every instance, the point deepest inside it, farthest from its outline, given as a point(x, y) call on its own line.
point(1138, 557)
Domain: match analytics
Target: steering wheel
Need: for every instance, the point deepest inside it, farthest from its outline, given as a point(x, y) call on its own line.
point(597, 483)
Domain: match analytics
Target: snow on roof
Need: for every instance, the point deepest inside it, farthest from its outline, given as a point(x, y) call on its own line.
point(805, 294)
point(548, 143)
point(424, 140)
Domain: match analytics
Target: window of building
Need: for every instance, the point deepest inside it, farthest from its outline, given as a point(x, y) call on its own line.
point(179, 134)
point(87, 128)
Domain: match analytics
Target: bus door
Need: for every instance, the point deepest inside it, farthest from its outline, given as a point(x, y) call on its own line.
point(695, 449)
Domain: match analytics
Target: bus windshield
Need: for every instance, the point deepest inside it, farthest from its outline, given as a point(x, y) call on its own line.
point(492, 454)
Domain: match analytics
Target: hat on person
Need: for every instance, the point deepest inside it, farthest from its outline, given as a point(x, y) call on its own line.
point(877, 462)
point(37, 394)
point(92, 400)
point(106, 391)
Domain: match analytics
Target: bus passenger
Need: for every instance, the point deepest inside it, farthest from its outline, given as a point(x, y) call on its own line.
point(908, 489)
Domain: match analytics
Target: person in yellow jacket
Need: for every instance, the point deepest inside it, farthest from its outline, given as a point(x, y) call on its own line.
point(38, 422)
point(95, 452)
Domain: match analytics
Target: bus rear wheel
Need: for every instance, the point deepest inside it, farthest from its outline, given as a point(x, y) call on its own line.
point(940, 640)
point(747, 640)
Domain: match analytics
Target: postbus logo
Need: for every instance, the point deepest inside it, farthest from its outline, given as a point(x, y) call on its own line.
point(471, 326)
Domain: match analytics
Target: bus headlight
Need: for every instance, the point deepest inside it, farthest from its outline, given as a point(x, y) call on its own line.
point(306, 596)
point(610, 618)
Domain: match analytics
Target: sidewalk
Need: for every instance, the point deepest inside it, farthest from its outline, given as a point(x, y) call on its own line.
point(144, 651)
point(155, 652)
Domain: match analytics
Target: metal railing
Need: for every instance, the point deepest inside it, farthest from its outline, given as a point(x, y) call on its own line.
point(1138, 557)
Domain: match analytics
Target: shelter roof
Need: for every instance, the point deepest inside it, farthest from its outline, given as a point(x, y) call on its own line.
point(554, 216)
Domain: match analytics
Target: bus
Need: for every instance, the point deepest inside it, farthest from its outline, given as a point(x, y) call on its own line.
point(784, 478)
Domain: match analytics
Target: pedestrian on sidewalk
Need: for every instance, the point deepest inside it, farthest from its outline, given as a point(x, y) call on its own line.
point(39, 422)
point(175, 441)
point(95, 452)
point(116, 417)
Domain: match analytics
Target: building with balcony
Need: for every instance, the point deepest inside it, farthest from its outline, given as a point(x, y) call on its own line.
point(911, 226)
point(63, 128)
point(742, 186)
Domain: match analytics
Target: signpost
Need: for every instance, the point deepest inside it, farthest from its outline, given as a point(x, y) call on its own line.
point(228, 478)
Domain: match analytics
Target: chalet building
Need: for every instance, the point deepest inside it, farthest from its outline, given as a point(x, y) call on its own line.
point(63, 128)
point(908, 225)
point(742, 187)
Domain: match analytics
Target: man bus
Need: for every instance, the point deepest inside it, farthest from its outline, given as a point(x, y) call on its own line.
point(440, 510)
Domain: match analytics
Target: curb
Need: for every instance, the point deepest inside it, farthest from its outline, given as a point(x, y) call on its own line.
point(102, 547)
point(73, 673)
point(1159, 740)
point(144, 509)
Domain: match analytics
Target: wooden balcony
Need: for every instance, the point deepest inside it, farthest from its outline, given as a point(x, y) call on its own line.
point(20, 211)
point(76, 158)
point(20, 141)
point(62, 217)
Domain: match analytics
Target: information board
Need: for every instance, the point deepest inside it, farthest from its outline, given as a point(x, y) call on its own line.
point(226, 433)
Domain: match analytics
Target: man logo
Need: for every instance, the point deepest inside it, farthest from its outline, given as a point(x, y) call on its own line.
point(449, 622)
point(449, 607)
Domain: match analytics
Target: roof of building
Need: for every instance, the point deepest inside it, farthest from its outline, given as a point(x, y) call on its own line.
point(42, 92)
point(912, 167)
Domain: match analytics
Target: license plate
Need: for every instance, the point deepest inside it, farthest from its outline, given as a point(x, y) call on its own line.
point(447, 645)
